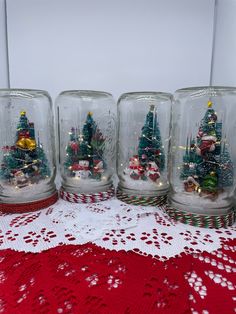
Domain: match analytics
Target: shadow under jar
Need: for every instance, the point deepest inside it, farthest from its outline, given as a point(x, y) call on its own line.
point(143, 140)
point(27, 160)
point(203, 156)
point(87, 144)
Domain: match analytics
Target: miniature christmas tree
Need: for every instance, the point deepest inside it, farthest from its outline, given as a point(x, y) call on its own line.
point(85, 145)
point(210, 183)
point(204, 163)
point(84, 152)
point(9, 162)
point(98, 147)
point(226, 170)
point(158, 150)
point(97, 143)
point(72, 149)
point(150, 144)
point(24, 163)
point(190, 159)
point(42, 161)
point(150, 159)
point(145, 149)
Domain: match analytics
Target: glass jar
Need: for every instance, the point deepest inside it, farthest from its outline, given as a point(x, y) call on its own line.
point(87, 142)
point(203, 155)
point(27, 158)
point(144, 120)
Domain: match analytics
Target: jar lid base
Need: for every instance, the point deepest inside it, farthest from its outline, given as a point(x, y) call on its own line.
point(140, 199)
point(200, 220)
point(30, 206)
point(87, 198)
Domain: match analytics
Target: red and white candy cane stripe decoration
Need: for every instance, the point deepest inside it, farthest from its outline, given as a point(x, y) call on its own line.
point(87, 198)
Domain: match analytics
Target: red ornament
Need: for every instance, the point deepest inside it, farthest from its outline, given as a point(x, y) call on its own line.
point(157, 152)
point(74, 146)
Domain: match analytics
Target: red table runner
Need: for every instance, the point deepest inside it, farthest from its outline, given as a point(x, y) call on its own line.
point(89, 279)
point(143, 263)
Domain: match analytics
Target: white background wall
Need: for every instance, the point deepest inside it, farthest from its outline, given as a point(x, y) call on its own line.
point(115, 46)
point(224, 67)
point(3, 48)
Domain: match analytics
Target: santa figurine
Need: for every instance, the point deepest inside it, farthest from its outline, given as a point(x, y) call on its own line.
point(153, 172)
point(135, 169)
point(207, 145)
point(98, 167)
point(20, 179)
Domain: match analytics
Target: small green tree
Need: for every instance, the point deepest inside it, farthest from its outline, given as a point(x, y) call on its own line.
point(23, 123)
point(204, 158)
point(44, 169)
point(158, 149)
point(226, 169)
point(150, 144)
point(31, 162)
point(97, 143)
point(87, 146)
point(210, 183)
point(72, 149)
point(87, 133)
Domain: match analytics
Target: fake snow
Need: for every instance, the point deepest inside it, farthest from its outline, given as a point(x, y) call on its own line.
point(142, 185)
point(204, 204)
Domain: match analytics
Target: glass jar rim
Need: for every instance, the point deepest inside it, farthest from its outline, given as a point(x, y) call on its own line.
point(209, 88)
point(23, 92)
point(137, 95)
point(85, 92)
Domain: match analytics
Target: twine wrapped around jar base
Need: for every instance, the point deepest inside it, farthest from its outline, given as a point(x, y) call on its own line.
point(198, 220)
point(28, 207)
point(141, 200)
point(87, 198)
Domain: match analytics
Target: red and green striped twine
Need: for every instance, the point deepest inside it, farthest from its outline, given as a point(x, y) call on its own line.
point(141, 200)
point(198, 220)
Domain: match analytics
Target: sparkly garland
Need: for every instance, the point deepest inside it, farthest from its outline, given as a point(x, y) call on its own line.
point(87, 198)
point(28, 207)
point(198, 220)
point(141, 200)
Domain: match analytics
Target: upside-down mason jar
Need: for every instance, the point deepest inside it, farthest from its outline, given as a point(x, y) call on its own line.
point(27, 160)
point(87, 143)
point(143, 140)
point(203, 156)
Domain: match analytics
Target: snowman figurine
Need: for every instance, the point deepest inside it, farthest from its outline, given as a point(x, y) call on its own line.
point(83, 171)
point(153, 172)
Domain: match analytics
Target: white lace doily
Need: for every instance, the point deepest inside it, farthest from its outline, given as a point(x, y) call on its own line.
point(110, 224)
